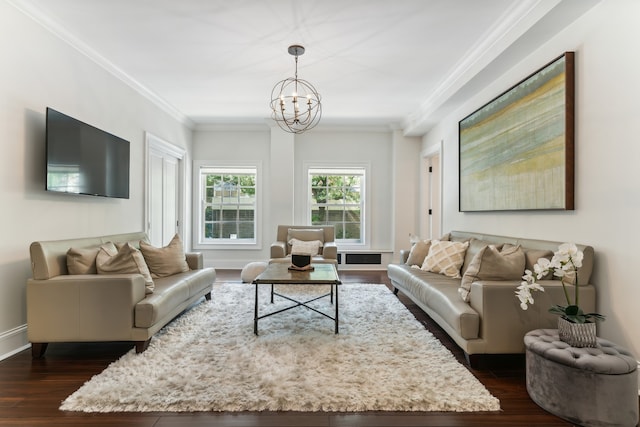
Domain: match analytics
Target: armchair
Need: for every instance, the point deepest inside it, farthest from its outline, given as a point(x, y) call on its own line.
point(287, 235)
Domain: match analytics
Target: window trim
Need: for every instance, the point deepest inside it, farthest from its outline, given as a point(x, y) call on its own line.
point(347, 166)
point(198, 241)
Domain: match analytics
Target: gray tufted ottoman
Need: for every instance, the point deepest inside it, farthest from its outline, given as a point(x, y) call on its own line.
point(586, 386)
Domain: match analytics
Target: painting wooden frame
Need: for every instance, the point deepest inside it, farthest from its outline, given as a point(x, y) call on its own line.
point(517, 151)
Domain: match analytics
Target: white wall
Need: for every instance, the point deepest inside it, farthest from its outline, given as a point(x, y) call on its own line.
point(607, 199)
point(283, 157)
point(407, 162)
point(39, 70)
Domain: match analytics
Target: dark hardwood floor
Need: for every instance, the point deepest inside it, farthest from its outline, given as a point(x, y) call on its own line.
point(32, 390)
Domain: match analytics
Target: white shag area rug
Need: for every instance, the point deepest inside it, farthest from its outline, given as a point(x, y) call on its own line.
point(208, 359)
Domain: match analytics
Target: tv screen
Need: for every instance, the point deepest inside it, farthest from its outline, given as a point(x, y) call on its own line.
point(82, 159)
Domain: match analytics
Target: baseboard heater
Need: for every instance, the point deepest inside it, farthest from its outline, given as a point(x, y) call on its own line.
point(363, 258)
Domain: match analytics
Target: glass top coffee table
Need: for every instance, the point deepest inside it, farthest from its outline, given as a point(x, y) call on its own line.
point(279, 274)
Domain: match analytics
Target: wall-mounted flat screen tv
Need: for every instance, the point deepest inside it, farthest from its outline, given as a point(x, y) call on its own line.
point(82, 159)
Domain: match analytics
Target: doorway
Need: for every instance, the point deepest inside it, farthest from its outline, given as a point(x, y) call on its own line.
point(431, 200)
point(164, 195)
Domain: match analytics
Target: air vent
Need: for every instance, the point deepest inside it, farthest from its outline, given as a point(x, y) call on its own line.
point(363, 259)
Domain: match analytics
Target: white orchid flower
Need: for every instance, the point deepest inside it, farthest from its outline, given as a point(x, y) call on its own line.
point(564, 264)
point(577, 259)
point(536, 287)
point(541, 268)
point(524, 293)
point(525, 297)
point(528, 276)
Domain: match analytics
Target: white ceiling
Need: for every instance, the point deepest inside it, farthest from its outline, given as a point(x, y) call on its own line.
point(399, 63)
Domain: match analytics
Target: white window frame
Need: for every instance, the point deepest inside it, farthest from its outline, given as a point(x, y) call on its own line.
point(200, 242)
point(362, 169)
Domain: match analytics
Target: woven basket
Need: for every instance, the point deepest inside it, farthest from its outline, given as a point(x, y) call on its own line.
point(577, 334)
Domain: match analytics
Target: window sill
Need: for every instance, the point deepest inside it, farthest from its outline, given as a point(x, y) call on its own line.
point(231, 245)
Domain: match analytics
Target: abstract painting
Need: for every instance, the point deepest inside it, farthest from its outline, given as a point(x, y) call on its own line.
point(516, 152)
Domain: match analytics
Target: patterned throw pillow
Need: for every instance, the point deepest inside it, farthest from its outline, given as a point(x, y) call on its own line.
point(445, 258)
point(127, 259)
point(165, 261)
point(491, 263)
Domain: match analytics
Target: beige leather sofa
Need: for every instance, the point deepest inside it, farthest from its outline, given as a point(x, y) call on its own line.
point(492, 322)
point(328, 252)
point(104, 307)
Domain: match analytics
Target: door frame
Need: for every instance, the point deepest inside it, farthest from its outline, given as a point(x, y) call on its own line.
point(427, 182)
point(157, 144)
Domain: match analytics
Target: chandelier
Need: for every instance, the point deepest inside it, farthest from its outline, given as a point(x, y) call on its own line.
point(295, 103)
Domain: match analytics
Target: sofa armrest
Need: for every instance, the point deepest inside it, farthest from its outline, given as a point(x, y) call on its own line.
point(404, 255)
point(89, 307)
point(278, 250)
point(503, 323)
point(195, 260)
point(330, 250)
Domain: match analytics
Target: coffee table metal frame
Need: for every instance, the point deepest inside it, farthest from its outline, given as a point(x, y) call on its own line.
point(279, 274)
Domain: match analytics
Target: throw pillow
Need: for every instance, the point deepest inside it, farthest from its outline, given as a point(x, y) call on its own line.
point(134, 243)
point(445, 258)
point(82, 260)
point(304, 234)
point(165, 261)
point(491, 263)
point(418, 252)
point(127, 259)
point(311, 247)
point(531, 257)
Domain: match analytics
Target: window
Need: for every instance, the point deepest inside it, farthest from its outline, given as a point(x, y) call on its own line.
point(228, 204)
point(337, 198)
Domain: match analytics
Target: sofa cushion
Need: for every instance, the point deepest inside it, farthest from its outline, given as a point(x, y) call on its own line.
point(125, 260)
point(445, 258)
point(82, 260)
point(491, 263)
point(171, 292)
point(310, 247)
point(418, 252)
point(438, 295)
point(167, 260)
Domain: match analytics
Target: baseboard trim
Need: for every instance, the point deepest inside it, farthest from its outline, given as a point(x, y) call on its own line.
point(13, 341)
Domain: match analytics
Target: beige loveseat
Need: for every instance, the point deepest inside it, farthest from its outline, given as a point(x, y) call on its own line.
point(63, 307)
point(491, 322)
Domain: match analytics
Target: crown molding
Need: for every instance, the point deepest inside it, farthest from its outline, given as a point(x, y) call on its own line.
point(37, 15)
point(384, 125)
point(516, 21)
